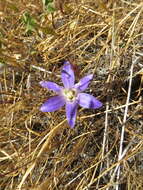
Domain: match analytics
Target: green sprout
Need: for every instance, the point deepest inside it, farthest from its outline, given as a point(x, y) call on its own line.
point(29, 22)
point(49, 6)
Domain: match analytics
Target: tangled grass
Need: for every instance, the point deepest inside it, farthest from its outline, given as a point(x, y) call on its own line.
point(38, 151)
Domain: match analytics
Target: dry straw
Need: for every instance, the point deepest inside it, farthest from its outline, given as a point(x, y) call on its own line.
point(38, 151)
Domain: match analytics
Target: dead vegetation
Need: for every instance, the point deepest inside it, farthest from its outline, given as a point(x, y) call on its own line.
point(38, 151)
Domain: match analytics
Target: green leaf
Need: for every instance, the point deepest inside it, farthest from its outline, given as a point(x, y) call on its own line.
point(46, 2)
point(50, 8)
point(29, 22)
point(49, 5)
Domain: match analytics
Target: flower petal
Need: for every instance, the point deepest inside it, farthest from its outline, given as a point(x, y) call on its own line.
point(84, 82)
point(88, 101)
point(68, 77)
point(71, 110)
point(53, 104)
point(50, 85)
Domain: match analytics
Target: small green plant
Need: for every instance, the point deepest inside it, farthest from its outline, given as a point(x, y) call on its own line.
point(49, 6)
point(29, 22)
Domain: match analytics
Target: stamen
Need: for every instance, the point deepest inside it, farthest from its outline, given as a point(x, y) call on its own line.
point(70, 94)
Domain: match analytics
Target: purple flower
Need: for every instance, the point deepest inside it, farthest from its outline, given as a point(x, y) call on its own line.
point(70, 95)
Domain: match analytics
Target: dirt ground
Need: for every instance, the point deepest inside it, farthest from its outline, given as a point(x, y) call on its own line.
point(39, 151)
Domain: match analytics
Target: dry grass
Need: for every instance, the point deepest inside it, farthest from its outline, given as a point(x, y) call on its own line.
point(38, 151)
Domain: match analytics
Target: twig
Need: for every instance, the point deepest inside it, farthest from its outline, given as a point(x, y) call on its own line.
point(43, 70)
point(104, 139)
point(123, 127)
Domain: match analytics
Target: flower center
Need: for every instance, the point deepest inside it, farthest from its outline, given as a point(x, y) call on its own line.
point(70, 94)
